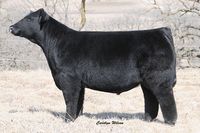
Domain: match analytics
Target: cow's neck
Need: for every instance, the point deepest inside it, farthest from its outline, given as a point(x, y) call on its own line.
point(53, 31)
point(49, 48)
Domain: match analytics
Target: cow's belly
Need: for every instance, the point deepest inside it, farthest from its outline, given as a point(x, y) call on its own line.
point(112, 88)
point(112, 81)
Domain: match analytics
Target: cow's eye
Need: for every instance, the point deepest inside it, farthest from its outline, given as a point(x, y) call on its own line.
point(29, 19)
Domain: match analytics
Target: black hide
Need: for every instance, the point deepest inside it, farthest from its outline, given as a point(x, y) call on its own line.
point(112, 62)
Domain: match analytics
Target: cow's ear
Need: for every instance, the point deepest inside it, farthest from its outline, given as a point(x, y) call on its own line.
point(43, 17)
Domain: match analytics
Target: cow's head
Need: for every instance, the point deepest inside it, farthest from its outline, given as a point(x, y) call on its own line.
point(30, 26)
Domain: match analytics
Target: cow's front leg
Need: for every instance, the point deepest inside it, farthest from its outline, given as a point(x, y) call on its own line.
point(71, 101)
point(80, 101)
point(73, 93)
point(74, 103)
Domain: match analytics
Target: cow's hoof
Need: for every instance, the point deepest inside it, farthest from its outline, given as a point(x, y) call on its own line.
point(147, 117)
point(171, 123)
point(67, 120)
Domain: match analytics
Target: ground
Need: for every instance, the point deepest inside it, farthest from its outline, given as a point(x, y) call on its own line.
point(30, 102)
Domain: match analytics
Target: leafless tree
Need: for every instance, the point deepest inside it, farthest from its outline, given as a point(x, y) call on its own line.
point(83, 16)
point(189, 8)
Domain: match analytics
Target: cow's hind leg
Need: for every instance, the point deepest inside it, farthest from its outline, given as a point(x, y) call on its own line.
point(167, 103)
point(151, 104)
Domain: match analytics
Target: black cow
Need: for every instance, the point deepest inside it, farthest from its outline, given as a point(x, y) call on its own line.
point(112, 62)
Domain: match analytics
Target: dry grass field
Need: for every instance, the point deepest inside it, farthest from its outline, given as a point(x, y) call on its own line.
point(30, 102)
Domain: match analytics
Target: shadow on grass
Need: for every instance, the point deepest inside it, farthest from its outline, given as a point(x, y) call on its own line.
point(115, 115)
point(109, 115)
point(57, 114)
point(121, 116)
point(102, 115)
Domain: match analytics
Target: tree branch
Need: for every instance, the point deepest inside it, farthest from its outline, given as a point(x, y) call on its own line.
point(83, 17)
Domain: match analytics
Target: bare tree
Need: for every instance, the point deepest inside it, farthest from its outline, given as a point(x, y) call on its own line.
point(187, 9)
point(83, 16)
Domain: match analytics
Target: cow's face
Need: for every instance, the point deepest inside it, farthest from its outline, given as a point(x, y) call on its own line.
point(30, 26)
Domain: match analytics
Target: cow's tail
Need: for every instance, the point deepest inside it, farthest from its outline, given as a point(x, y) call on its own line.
point(168, 36)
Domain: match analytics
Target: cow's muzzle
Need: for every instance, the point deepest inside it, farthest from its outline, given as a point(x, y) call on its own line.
point(14, 30)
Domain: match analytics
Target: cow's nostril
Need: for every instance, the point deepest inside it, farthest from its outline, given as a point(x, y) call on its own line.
point(10, 28)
